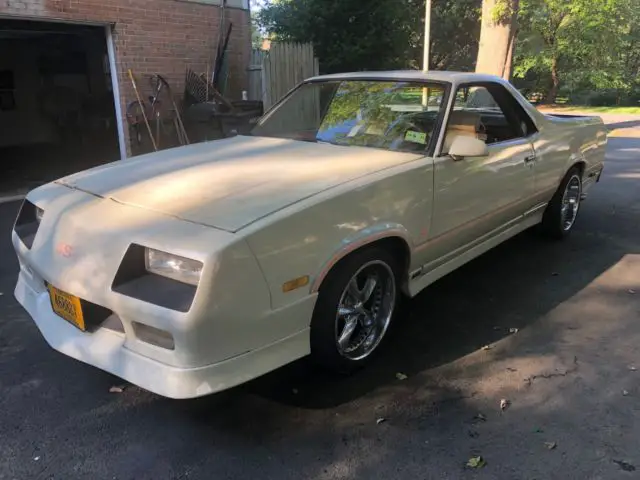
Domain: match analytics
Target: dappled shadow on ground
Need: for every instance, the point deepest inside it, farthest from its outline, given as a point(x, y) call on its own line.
point(510, 287)
point(569, 302)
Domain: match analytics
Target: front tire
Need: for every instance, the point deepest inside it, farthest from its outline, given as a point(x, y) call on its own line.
point(562, 211)
point(355, 308)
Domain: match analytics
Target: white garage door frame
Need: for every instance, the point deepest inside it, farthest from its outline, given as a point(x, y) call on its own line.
point(111, 53)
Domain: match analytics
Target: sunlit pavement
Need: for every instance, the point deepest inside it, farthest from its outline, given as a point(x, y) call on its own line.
point(561, 326)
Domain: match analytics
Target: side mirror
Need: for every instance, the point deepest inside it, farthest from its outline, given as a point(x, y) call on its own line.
point(464, 146)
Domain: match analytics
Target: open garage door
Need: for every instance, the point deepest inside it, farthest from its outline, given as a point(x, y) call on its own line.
point(57, 110)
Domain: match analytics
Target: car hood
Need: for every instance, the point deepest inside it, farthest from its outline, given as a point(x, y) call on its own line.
point(230, 183)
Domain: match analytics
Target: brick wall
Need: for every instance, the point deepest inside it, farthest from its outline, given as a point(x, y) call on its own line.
point(154, 36)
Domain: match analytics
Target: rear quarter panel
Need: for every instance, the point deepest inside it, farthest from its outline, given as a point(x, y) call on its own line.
point(309, 238)
point(561, 143)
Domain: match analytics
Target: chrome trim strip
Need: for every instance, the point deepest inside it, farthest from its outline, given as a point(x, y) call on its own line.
point(461, 250)
point(535, 209)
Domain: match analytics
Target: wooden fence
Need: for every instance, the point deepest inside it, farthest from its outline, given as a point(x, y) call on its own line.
point(273, 73)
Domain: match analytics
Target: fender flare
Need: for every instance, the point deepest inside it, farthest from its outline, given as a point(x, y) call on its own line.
point(359, 240)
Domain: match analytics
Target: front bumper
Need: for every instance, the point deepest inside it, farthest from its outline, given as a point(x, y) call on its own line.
point(106, 349)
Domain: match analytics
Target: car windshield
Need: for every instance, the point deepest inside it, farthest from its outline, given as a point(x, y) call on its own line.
point(399, 116)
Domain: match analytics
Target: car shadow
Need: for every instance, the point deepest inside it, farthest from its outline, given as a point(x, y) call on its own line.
point(501, 292)
point(625, 124)
point(505, 290)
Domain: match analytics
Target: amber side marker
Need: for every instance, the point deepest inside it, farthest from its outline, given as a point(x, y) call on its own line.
point(296, 283)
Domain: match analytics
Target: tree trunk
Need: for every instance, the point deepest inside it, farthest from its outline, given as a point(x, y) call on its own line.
point(497, 38)
point(508, 64)
point(555, 82)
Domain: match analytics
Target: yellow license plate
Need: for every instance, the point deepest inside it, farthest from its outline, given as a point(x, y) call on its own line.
point(67, 306)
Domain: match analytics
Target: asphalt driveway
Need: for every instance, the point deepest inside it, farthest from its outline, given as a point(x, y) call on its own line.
point(560, 323)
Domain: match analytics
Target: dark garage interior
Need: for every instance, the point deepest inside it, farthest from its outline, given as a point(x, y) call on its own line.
point(57, 113)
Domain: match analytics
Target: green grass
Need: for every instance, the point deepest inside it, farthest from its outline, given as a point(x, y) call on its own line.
point(588, 109)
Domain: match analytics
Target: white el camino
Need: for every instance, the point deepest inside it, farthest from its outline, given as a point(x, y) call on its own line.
point(195, 269)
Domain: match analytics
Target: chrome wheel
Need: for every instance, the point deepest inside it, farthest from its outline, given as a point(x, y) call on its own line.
point(365, 310)
point(571, 202)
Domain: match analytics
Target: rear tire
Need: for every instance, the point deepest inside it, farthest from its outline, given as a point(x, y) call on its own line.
point(355, 308)
point(562, 212)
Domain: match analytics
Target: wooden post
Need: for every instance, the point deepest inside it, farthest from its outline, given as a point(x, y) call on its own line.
point(427, 52)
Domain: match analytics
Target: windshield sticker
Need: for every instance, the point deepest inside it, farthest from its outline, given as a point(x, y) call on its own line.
point(416, 137)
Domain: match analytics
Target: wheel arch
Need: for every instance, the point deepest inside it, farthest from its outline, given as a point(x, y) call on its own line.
point(581, 164)
point(577, 159)
point(397, 241)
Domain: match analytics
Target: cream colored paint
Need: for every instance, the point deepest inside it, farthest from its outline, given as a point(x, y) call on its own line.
point(260, 212)
point(231, 183)
point(395, 200)
point(492, 190)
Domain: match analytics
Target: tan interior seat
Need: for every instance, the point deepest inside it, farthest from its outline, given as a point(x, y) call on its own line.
point(461, 123)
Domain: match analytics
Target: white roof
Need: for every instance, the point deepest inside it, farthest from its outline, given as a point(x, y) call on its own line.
point(414, 75)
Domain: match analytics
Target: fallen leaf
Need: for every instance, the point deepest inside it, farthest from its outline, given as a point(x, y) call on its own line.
point(514, 330)
point(381, 420)
point(512, 369)
point(35, 459)
point(487, 347)
point(632, 368)
point(117, 389)
point(401, 376)
point(504, 404)
point(550, 445)
point(627, 467)
point(476, 462)
point(624, 393)
point(473, 434)
point(480, 417)
point(631, 291)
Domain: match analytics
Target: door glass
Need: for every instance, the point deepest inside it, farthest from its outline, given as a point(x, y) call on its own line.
point(476, 113)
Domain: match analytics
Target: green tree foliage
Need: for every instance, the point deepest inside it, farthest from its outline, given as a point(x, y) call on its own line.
point(579, 46)
point(588, 50)
point(352, 35)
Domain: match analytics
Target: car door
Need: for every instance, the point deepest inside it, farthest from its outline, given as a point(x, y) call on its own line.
point(479, 196)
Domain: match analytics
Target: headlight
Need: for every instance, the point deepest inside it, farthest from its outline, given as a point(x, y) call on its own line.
point(171, 266)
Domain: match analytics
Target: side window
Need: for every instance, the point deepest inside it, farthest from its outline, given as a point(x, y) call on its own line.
point(486, 112)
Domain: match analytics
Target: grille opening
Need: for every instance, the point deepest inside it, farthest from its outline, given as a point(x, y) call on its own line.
point(114, 324)
point(154, 336)
point(27, 223)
